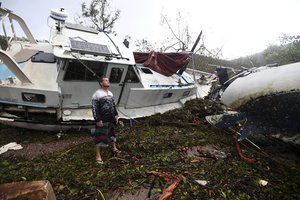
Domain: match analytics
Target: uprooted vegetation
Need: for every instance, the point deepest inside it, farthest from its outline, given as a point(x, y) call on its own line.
point(176, 155)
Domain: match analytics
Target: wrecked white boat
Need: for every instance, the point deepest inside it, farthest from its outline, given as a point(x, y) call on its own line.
point(48, 85)
point(262, 82)
point(267, 97)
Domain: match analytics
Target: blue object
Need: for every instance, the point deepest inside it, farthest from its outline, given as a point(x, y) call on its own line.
point(5, 71)
point(222, 75)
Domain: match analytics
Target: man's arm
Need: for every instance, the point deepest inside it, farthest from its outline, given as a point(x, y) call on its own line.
point(96, 112)
point(116, 112)
point(115, 109)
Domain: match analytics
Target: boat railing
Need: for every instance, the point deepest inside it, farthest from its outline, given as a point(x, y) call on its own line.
point(198, 71)
point(4, 30)
point(5, 13)
point(170, 86)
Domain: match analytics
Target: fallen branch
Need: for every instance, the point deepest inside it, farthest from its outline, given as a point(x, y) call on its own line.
point(170, 189)
point(85, 196)
point(64, 153)
point(102, 196)
point(244, 158)
point(115, 158)
point(263, 152)
point(180, 123)
point(163, 175)
point(170, 179)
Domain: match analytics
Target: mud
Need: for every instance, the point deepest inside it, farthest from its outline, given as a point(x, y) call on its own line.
point(36, 150)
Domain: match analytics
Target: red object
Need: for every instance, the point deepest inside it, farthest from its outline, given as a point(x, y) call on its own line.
point(170, 179)
point(164, 63)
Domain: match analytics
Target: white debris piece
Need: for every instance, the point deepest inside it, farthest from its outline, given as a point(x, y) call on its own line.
point(201, 182)
point(262, 182)
point(10, 146)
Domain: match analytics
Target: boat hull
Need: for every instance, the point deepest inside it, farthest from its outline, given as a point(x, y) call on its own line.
point(280, 110)
point(47, 127)
point(78, 119)
point(263, 82)
point(270, 100)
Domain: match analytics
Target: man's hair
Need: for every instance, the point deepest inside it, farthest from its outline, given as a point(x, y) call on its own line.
point(100, 80)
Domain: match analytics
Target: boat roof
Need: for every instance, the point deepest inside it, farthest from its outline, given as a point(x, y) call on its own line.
point(73, 41)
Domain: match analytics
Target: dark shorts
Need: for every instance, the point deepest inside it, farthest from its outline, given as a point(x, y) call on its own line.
point(104, 139)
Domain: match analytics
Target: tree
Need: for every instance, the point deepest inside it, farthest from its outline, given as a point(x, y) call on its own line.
point(143, 46)
point(3, 42)
point(99, 13)
point(287, 52)
point(179, 41)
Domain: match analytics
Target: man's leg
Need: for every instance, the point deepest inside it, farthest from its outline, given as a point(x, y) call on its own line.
point(98, 156)
point(115, 150)
point(114, 146)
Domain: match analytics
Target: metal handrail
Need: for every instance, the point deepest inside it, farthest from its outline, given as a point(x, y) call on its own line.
point(12, 16)
point(4, 30)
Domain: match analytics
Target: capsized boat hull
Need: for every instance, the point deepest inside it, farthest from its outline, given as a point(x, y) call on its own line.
point(263, 81)
point(269, 98)
point(281, 110)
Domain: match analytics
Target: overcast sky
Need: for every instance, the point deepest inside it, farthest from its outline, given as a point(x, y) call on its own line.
point(239, 27)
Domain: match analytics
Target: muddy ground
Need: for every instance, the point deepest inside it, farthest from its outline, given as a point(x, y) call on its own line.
point(177, 152)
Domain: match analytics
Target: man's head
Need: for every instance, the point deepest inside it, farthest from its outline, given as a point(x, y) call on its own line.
point(103, 82)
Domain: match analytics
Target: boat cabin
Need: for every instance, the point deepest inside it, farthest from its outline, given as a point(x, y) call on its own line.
point(59, 76)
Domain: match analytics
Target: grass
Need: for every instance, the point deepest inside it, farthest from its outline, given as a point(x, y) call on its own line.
point(154, 146)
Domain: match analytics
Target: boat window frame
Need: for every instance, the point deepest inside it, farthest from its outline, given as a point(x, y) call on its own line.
point(146, 70)
point(116, 74)
point(33, 97)
point(43, 57)
point(131, 75)
point(84, 74)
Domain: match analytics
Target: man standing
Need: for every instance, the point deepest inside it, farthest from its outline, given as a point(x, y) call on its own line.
point(106, 116)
